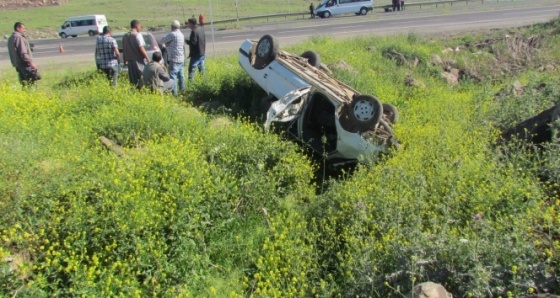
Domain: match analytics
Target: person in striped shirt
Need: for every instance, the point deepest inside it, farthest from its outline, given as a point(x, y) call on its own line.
point(174, 43)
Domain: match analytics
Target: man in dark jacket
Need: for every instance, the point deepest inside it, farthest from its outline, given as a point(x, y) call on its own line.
point(20, 55)
point(155, 76)
point(197, 48)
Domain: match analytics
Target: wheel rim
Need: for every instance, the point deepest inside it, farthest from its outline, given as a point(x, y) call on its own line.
point(364, 110)
point(264, 48)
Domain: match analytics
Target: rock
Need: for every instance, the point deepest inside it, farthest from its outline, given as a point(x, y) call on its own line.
point(341, 65)
point(449, 63)
point(429, 290)
point(436, 60)
point(548, 67)
point(517, 88)
point(412, 82)
point(399, 57)
point(448, 50)
point(455, 72)
point(450, 78)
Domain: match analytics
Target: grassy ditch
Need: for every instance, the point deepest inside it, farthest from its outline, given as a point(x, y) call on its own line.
point(191, 202)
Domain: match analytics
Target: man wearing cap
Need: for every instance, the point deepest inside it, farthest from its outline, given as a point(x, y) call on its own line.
point(197, 48)
point(107, 55)
point(175, 55)
point(134, 54)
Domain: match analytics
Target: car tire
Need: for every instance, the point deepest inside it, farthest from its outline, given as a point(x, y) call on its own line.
point(63, 35)
point(327, 14)
point(312, 58)
point(365, 112)
point(91, 33)
point(266, 51)
point(391, 112)
point(363, 11)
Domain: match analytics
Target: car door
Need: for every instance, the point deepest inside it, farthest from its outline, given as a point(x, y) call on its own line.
point(281, 81)
point(287, 109)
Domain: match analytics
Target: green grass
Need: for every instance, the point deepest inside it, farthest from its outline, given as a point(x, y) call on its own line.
point(152, 14)
point(208, 205)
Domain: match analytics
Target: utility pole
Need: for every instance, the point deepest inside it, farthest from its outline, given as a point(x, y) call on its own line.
point(212, 26)
point(237, 11)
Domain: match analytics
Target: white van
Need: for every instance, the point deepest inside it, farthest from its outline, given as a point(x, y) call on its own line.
point(90, 25)
point(329, 8)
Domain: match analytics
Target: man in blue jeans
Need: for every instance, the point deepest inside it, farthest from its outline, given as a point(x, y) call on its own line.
point(107, 55)
point(175, 55)
point(197, 48)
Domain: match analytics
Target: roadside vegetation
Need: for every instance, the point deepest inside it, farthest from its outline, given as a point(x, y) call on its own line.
point(115, 192)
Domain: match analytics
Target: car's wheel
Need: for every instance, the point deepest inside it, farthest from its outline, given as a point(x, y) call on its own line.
point(391, 112)
point(363, 11)
point(312, 58)
point(365, 112)
point(63, 35)
point(267, 49)
point(327, 14)
point(91, 33)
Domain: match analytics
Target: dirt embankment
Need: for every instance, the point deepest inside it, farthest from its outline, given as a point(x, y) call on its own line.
point(21, 4)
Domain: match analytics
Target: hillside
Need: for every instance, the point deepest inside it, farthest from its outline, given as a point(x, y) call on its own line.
point(22, 4)
point(200, 202)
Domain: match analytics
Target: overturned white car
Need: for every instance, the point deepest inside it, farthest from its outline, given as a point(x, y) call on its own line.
point(330, 117)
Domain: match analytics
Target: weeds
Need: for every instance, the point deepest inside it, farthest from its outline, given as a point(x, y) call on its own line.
point(207, 205)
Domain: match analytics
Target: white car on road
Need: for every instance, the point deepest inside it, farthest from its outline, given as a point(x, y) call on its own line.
point(333, 119)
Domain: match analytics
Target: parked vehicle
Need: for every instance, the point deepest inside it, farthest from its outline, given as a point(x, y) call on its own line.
point(90, 25)
point(152, 46)
point(329, 8)
point(334, 120)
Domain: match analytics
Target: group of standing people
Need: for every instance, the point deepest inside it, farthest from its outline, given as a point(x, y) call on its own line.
point(142, 70)
point(398, 5)
point(150, 72)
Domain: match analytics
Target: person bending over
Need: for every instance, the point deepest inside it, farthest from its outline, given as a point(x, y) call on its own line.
point(155, 76)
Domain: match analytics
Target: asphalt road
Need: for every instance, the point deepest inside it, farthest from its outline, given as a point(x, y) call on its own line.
point(441, 20)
